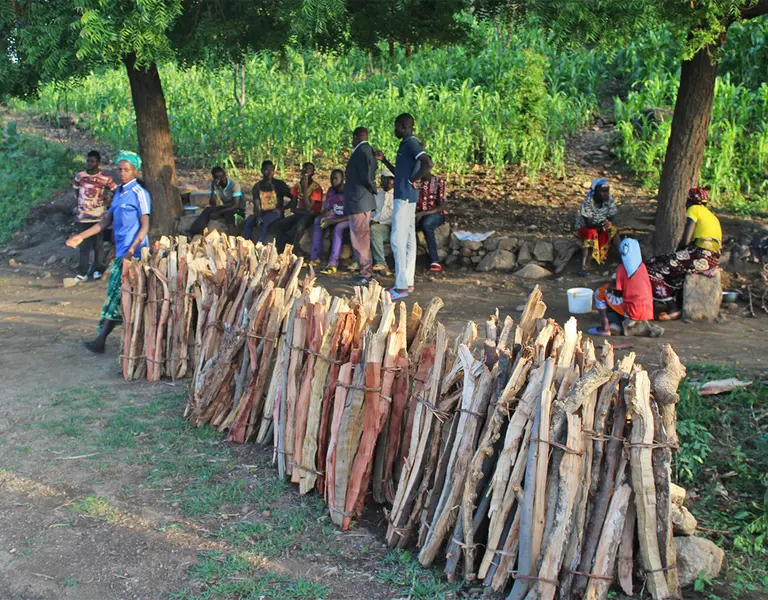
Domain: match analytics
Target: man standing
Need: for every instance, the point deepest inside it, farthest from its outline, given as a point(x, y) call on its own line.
point(381, 221)
point(411, 165)
point(226, 191)
point(360, 200)
point(94, 189)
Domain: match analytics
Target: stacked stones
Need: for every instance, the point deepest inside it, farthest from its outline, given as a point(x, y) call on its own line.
point(531, 259)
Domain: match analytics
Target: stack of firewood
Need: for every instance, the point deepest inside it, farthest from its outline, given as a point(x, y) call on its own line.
point(522, 459)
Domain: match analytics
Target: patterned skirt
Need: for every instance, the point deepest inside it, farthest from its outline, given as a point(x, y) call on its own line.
point(667, 273)
point(598, 241)
point(111, 309)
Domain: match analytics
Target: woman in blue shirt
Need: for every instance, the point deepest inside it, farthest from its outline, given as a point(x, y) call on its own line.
point(129, 218)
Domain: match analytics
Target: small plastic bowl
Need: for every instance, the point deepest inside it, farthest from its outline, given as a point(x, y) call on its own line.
point(730, 297)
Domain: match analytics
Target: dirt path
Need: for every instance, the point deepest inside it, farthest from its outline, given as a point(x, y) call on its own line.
point(105, 493)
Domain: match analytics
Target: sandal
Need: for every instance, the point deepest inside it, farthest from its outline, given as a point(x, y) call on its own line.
point(435, 267)
point(596, 331)
point(395, 295)
point(665, 316)
point(80, 278)
point(329, 270)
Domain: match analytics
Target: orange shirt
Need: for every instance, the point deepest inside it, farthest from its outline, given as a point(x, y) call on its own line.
point(637, 293)
point(315, 197)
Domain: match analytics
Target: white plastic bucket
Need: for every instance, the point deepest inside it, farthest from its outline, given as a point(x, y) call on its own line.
point(579, 301)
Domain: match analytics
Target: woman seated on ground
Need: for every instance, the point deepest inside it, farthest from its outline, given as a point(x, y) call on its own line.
point(595, 224)
point(332, 218)
point(628, 307)
point(699, 253)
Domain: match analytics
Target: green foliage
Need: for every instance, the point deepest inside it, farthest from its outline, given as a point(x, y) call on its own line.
point(723, 462)
point(31, 170)
point(402, 569)
point(514, 102)
point(736, 155)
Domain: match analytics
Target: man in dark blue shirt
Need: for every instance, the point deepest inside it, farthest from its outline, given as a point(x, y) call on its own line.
point(411, 165)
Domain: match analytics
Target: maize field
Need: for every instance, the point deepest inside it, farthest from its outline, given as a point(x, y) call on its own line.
point(505, 97)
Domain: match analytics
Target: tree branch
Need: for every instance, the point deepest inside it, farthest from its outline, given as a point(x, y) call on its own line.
point(756, 10)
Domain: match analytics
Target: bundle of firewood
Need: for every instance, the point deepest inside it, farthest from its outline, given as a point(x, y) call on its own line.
point(523, 459)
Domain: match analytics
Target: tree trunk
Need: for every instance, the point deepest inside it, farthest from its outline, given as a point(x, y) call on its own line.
point(155, 146)
point(238, 73)
point(391, 44)
point(685, 149)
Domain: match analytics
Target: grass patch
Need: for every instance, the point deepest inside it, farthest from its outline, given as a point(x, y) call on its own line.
point(403, 570)
point(94, 506)
point(238, 575)
point(24, 158)
point(723, 462)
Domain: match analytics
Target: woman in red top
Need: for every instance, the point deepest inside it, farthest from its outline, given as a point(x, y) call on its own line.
point(306, 204)
point(629, 306)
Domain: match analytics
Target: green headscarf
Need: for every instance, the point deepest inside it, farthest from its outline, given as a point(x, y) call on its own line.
point(131, 157)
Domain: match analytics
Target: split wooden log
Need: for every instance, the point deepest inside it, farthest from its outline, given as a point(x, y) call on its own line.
point(638, 399)
point(283, 454)
point(533, 311)
point(606, 477)
point(294, 372)
point(625, 564)
point(376, 411)
point(602, 571)
point(534, 504)
point(330, 338)
point(129, 284)
point(340, 355)
point(664, 382)
point(661, 460)
point(545, 586)
point(156, 360)
point(342, 391)
point(478, 384)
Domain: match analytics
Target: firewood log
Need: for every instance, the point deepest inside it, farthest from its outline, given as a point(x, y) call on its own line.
point(661, 460)
point(638, 399)
point(283, 453)
point(534, 503)
point(162, 325)
point(471, 418)
point(150, 323)
point(606, 478)
point(624, 561)
point(569, 471)
point(340, 355)
point(127, 281)
point(664, 382)
point(376, 411)
point(294, 371)
point(345, 379)
point(533, 311)
point(602, 572)
point(425, 333)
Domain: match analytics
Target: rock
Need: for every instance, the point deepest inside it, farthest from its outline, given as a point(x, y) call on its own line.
point(305, 243)
point(51, 259)
point(185, 222)
point(471, 245)
point(696, 555)
point(508, 243)
point(564, 251)
point(466, 261)
point(454, 242)
point(456, 252)
point(442, 254)
point(544, 251)
point(475, 259)
point(481, 252)
point(70, 282)
point(443, 235)
point(533, 271)
point(421, 241)
point(466, 252)
point(524, 256)
point(677, 494)
point(533, 227)
point(683, 522)
point(498, 260)
point(586, 185)
point(451, 259)
point(12, 262)
point(199, 198)
point(492, 244)
point(702, 296)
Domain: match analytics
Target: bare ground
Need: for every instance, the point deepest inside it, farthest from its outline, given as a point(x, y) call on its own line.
point(105, 492)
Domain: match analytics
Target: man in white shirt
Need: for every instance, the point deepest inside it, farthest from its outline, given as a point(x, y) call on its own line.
point(381, 221)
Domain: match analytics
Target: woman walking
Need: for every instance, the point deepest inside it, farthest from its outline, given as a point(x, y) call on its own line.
point(129, 218)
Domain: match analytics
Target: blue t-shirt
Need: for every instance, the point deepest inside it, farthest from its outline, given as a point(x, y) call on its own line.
point(407, 158)
point(128, 204)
